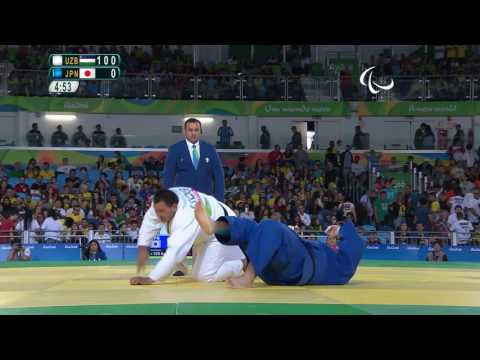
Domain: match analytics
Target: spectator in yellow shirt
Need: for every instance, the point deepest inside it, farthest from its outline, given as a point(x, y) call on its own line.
point(46, 172)
point(76, 214)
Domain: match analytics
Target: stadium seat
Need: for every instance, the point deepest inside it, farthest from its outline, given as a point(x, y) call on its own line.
point(93, 176)
point(13, 181)
point(61, 181)
point(110, 175)
point(29, 182)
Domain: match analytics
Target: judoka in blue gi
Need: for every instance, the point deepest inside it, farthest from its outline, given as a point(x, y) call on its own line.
point(279, 256)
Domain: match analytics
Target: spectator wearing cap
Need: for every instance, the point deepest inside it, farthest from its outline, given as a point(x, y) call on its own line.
point(59, 137)
point(79, 138)
point(34, 136)
point(118, 140)
point(99, 138)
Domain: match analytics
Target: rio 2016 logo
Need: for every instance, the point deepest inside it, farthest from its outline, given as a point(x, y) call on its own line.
point(373, 87)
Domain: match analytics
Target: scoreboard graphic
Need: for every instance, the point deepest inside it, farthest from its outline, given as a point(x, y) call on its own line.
point(159, 245)
point(67, 70)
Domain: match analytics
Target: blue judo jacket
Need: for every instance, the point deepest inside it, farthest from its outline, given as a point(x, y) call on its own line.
point(280, 257)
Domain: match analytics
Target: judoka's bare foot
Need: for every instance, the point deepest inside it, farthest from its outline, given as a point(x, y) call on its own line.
point(240, 282)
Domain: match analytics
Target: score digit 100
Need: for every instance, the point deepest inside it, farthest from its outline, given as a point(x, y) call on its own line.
point(107, 60)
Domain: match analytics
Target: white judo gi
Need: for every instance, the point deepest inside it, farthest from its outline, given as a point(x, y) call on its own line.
point(212, 261)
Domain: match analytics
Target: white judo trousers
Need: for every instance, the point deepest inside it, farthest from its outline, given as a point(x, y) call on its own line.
point(212, 261)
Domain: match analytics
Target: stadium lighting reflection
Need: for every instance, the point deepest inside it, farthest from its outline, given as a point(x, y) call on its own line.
point(58, 117)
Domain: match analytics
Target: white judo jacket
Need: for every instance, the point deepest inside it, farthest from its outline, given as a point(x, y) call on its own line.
point(183, 230)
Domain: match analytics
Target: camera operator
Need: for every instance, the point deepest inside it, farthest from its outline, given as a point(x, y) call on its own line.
point(19, 252)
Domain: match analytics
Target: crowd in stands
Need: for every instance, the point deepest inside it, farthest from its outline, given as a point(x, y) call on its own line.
point(446, 66)
point(111, 197)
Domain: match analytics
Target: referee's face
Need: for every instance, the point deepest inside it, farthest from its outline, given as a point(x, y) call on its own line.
point(192, 132)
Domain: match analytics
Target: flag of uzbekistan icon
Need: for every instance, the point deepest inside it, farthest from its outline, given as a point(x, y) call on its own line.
point(87, 60)
point(87, 73)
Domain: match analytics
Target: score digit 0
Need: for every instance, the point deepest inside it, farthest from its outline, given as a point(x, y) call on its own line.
point(107, 60)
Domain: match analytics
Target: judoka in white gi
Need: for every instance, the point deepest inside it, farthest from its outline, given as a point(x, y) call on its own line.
point(174, 208)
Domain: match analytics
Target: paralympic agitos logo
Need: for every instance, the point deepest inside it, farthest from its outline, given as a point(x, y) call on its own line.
point(373, 87)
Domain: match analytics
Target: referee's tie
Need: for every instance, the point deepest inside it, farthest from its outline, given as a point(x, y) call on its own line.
point(196, 156)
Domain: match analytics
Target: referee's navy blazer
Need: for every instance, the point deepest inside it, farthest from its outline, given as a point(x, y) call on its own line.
point(208, 178)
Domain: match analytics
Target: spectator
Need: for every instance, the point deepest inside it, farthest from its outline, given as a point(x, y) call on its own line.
point(456, 200)
point(471, 156)
point(73, 178)
point(46, 172)
point(80, 138)
point(94, 252)
point(19, 252)
point(65, 168)
point(372, 239)
point(463, 230)
point(360, 139)
point(346, 162)
point(36, 227)
point(300, 158)
point(52, 227)
point(274, 157)
point(296, 137)
point(423, 214)
point(265, 138)
point(100, 163)
point(118, 140)
point(7, 226)
point(419, 135)
point(195, 163)
point(437, 254)
point(225, 133)
point(402, 236)
point(59, 137)
point(381, 208)
point(101, 235)
point(17, 171)
point(304, 217)
point(459, 137)
point(99, 138)
point(34, 136)
point(428, 141)
point(331, 154)
point(133, 231)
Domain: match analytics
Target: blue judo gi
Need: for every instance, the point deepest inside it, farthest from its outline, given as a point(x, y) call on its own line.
point(281, 257)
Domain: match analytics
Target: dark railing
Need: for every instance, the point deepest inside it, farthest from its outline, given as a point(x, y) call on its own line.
point(253, 87)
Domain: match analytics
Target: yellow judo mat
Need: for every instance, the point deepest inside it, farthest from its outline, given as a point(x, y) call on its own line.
point(379, 287)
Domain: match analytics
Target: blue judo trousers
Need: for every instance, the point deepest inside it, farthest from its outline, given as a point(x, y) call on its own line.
point(281, 257)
